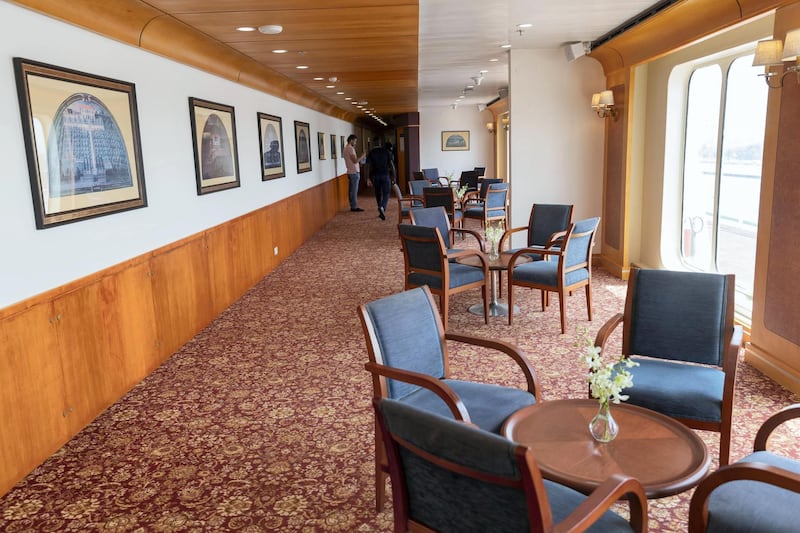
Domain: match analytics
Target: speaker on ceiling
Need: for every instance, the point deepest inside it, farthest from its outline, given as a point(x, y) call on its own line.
point(575, 50)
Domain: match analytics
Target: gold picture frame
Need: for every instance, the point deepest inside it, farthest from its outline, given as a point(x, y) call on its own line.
point(216, 160)
point(453, 141)
point(302, 145)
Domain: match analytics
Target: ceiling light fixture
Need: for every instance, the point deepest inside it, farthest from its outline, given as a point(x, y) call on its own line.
point(505, 45)
point(339, 92)
point(301, 67)
point(245, 28)
point(279, 51)
point(477, 79)
point(318, 78)
point(270, 29)
point(493, 60)
point(330, 86)
point(774, 52)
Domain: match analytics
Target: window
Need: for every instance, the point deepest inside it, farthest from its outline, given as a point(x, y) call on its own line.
point(725, 116)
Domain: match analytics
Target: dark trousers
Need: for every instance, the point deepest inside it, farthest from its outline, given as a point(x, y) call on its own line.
point(383, 187)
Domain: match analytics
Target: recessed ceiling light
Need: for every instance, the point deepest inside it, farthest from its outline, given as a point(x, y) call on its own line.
point(270, 29)
point(505, 46)
point(524, 25)
point(245, 28)
point(493, 59)
point(301, 67)
point(469, 87)
point(318, 78)
point(330, 86)
point(348, 98)
point(339, 92)
point(279, 51)
point(484, 72)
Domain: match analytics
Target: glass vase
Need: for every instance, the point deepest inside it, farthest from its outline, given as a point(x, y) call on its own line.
point(603, 427)
point(493, 251)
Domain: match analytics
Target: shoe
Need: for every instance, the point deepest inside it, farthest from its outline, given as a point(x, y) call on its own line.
point(356, 209)
point(381, 213)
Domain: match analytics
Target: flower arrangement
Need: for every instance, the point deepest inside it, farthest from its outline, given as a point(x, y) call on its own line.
point(461, 192)
point(493, 233)
point(606, 380)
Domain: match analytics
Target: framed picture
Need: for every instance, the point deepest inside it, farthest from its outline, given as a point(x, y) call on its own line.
point(455, 140)
point(82, 141)
point(302, 144)
point(321, 144)
point(341, 145)
point(333, 146)
point(270, 139)
point(216, 163)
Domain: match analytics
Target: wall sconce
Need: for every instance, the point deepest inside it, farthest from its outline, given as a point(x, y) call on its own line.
point(603, 104)
point(506, 122)
point(490, 127)
point(774, 52)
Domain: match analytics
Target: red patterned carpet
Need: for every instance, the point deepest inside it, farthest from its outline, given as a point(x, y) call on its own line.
point(262, 422)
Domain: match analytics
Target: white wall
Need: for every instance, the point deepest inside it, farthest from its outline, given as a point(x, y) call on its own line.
point(556, 146)
point(434, 120)
point(33, 261)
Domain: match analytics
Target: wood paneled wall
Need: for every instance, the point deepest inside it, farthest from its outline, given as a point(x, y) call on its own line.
point(70, 353)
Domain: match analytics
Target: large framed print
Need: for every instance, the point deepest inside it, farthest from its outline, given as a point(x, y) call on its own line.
point(270, 138)
point(82, 140)
point(302, 144)
point(455, 140)
point(216, 162)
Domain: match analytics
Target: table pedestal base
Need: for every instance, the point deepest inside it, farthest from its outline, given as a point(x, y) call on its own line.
point(495, 309)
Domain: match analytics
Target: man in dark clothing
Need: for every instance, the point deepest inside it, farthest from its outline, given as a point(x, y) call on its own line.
point(381, 168)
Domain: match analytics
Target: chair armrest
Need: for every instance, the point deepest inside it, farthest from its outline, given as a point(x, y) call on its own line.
point(407, 200)
point(773, 475)
point(434, 385)
point(541, 251)
point(602, 499)
point(556, 238)
point(507, 234)
point(469, 253)
point(607, 329)
point(474, 233)
point(771, 423)
point(471, 196)
point(507, 348)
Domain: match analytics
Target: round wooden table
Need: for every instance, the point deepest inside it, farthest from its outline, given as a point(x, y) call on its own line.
point(666, 456)
point(496, 307)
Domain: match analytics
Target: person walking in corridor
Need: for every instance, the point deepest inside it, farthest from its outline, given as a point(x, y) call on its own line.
point(381, 169)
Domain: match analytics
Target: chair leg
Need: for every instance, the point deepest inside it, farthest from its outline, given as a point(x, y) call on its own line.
point(443, 300)
point(562, 307)
point(589, 300)
point(486, 300)
point(380, 472)
point(510, 301)
point(544, 299)
point(724, 445)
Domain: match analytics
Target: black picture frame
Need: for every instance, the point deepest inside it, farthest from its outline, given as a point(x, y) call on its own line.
point(270, 141)
point(333, 146)
point(341, 146)
point(321, 144)
point(216, 160)
point(82, 142)
point(302, 146)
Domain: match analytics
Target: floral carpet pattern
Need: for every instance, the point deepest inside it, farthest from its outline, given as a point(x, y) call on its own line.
point(262, 422)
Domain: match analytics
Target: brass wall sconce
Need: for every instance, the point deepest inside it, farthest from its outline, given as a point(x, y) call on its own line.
point(603, 104)
point(490, 127)
point(773, 53)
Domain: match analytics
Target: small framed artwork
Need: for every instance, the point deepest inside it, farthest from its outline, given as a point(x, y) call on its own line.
point(82, 140)
point(455, 140)
point(333, 146)
point(302, 143)
point(216, 163)
point(270, 139)
point(321, 144)
point(341, 145)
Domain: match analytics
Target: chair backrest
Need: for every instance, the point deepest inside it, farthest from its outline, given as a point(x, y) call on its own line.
point(432, 174)
point(433, 217)
point(484, 188)
point(397, 192)
point(405, 331)
point(470, 179)
point(480, 170)
point(419, 175)
point(416, 186)
point(686, 316)
point(451, 476)
point(547, 219)
point(439, 196)
point(580, 241)
point(496, 199)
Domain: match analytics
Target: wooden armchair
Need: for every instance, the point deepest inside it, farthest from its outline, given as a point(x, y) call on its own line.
point(448, 476)
point(409, 362)
point(759, 493)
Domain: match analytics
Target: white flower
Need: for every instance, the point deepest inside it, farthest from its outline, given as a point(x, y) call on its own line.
point(606, 380)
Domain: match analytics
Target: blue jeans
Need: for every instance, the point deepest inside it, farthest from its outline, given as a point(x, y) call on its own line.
point(383, 186)
point(352, 192)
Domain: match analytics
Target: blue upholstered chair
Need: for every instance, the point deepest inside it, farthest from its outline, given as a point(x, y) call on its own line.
point(477, 197)
point(436, 217)
point(673, 318)
point(761, 492)
point(448, 476)
point(546, 225)
point(427, 262)
point(493, 207)
point(563, 269)
point(409, 362)
point(445, 197)
point(404, 204)
point(431, 174)
point(415, 188)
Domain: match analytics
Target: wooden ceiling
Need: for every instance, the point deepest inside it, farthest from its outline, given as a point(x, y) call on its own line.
point(369, 46)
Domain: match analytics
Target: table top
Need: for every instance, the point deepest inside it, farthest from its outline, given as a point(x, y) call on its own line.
point(666, 456)
point(501, 263)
